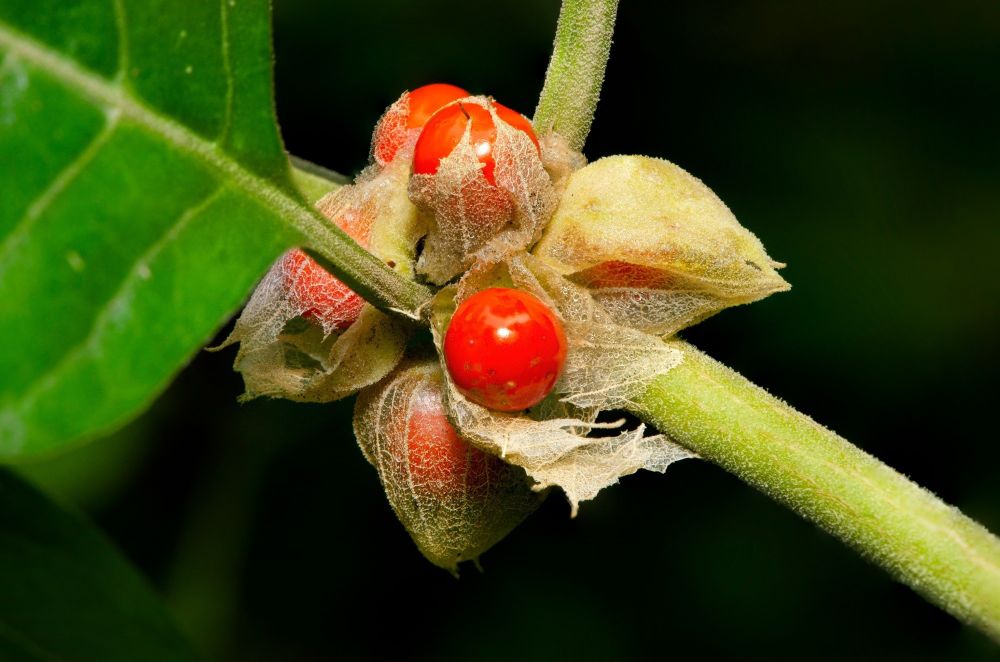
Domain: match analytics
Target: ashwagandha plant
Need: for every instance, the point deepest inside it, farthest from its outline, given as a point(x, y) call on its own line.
point(514, 292)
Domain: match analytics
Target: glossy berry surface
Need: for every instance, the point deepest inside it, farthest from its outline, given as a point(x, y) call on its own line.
point(421, 104)
point(440, 461)
point(427, 100)
point(445, 129)
point(504, 349)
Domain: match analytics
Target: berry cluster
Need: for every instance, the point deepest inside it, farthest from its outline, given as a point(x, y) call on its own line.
point(504, 349)
point(555, 281)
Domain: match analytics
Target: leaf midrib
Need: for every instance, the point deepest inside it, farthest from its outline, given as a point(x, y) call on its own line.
point(113, 96)
point(361, 270)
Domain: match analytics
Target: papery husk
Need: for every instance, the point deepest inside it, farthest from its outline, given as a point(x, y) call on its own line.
point(559, 160)
point(473, 221)
point(392, 135)
point(303, 364)
point(284, 355)
point(607, 366)
point(655, 247)
point(456, 510)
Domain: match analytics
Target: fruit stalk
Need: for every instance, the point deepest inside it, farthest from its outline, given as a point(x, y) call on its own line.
point(343, 257)
point(364, 273)
point(576, 69)
point(945, 556)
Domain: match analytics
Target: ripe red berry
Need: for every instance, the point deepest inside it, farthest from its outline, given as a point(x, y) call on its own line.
point(447, 126)
point(323, 297)
point(455, 500)
point(440, 461)
point(393, 130)
point(504, 349)
point(427, 100)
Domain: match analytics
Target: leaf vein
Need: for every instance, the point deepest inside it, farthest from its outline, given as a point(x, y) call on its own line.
point(227, 65)
point(103, 92)
point(121, 26)
point(138, 272)
point(371, 278)
point(59, 184)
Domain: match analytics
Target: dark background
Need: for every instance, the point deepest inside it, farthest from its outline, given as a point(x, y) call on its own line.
point(858, 140)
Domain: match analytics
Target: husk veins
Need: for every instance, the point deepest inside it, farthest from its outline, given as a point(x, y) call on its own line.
point(454, 500)
point(281, 354)
point(655, 247)
point(606, 366)
point(626, 250)
point(472, 221)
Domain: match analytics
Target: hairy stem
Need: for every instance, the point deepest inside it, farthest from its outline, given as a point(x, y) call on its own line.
point(576, 69)
point(568, 99)
point(364, 273)
point(948, 558)
point(345, 258)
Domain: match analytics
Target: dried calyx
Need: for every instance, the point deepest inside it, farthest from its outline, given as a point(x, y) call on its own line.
point(616, 255)
point(606, 366)
point(480, 210)
point(654, 246)
point(455, 500)
point(301, 335)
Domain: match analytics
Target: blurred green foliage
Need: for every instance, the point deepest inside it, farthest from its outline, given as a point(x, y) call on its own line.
point(68, 594)
point(857, 139)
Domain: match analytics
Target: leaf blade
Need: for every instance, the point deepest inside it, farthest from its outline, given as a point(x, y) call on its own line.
point(107, 175)
point(166, 134)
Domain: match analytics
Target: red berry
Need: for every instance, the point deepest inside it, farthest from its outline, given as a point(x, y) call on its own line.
point(445, 129)
point(330, 302)
point(427, 100)
point(323, 297)
point(392, 131)
point(618, 274)
point(440, 461)
point(504, 349)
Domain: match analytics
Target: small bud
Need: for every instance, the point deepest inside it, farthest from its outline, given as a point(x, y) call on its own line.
point(654, 245)
point(454, 500)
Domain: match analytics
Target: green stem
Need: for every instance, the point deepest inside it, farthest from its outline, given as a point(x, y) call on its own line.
point(568, 99)
point(948, 558)
point(343, 257)
point(576, 70)
point(945, 556)
point(315, 181)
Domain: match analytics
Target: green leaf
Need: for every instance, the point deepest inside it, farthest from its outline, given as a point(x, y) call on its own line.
point(67, 594)
point(144, 189)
